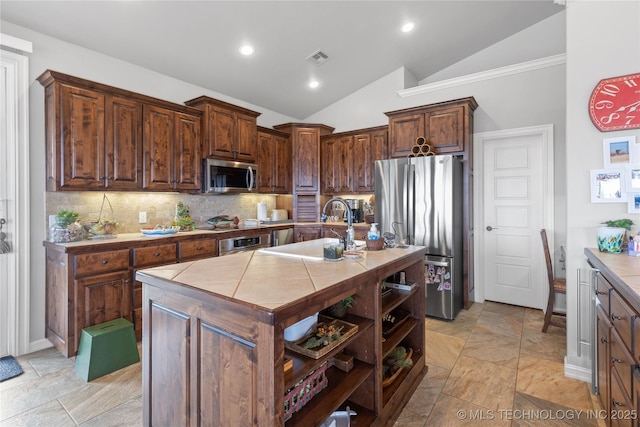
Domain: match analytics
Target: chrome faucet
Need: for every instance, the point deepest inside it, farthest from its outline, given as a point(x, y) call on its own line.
point(350, 239)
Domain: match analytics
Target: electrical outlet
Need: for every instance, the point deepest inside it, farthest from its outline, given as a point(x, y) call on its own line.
point(142, 217)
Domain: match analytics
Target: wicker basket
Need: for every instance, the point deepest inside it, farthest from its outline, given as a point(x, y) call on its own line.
point(298, 396)
point(374, 245)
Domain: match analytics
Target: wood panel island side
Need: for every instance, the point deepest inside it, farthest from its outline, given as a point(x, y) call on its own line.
point(213, 337)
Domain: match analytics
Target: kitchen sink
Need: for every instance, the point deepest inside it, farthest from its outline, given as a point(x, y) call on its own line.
point(311, 249)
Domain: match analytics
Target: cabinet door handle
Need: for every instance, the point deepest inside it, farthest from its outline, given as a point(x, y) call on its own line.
point(615, 403)
point(105, 261)
point(157, 254)
point(604, 341)
point(614, 317)
point(615, 360)
point(600, 292)
point(199, 248)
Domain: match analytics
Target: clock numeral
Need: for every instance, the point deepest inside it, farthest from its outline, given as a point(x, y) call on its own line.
point(610, 89)
point(630, 83)
point(603, 104)
point(611, 117)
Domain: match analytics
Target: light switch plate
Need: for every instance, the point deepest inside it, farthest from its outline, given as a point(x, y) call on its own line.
point(142, 217)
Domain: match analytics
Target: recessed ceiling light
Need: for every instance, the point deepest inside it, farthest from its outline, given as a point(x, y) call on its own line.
point(407, 27)
point(314, 84)
point(246, 50)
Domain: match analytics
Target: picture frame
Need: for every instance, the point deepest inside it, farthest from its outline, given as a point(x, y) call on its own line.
point(607, 186)
point(632, 175)
point(634, 202)
point(619, 152)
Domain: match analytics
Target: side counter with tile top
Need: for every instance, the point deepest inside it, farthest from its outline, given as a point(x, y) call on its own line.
point(91, 281)
point(617, 343)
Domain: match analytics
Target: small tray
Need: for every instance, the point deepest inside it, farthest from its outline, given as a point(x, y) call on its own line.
point(159, 232)
point(348, 329)
point(393, 320)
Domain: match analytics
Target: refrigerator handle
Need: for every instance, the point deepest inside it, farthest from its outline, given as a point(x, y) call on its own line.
point(410, 174)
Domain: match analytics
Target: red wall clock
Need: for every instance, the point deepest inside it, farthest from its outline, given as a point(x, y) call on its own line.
point(615, 103)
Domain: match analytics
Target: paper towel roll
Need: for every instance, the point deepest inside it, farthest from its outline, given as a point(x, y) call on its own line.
point(262, 211)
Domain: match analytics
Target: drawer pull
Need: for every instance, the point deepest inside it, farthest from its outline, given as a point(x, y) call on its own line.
point(615, 360)
point(615, 403)
point(105, 261)
point(604, 341)
point(157, 254)
point(614, 317)
point(600, 293)
point(199, 248)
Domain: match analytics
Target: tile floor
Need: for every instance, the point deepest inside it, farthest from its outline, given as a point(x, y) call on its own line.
point(491, 366)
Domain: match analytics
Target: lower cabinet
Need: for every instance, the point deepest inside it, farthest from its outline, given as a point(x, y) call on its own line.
point(617, 382)
point(303, 233)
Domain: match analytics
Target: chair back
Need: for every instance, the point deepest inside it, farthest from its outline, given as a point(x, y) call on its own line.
point(547, 258)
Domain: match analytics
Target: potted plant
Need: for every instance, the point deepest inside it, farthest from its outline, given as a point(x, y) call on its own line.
point(66, 229)
point(611, 237)
point(339, 309)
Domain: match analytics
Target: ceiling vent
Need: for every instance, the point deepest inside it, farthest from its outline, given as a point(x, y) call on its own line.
point(318, 57)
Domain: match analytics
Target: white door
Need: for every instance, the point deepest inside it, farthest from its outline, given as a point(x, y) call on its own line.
point(14, 200)
point(517, 197)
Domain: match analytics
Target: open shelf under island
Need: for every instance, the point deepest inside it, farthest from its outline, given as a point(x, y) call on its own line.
point(213, 337)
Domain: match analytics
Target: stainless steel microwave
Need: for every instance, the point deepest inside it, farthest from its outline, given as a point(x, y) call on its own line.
point(226, 177)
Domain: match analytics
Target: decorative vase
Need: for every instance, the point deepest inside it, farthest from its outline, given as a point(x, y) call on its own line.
point(611, 239)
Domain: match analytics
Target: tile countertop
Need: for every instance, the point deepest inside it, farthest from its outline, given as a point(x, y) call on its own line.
point(271, 281)
point(133, 237)
point(622, 270)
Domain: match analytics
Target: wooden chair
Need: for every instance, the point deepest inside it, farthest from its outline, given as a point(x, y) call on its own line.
point(556, 286)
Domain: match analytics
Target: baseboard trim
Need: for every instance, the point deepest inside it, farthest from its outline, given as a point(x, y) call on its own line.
point(577, 372)
point(38, 345)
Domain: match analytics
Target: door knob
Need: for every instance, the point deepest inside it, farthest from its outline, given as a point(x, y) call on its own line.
point(489, 228)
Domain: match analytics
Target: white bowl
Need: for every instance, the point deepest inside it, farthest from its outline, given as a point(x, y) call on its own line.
point(300, 329)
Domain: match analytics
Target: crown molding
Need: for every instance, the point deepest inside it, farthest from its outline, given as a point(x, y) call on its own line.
point(523, 67)
point(15, 43)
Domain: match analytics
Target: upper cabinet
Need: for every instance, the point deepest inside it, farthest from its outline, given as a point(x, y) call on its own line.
point(95, 135)
point(274, 162)
point(448, 127)
point(172, 159)
point(348, 160)
point(229, 132)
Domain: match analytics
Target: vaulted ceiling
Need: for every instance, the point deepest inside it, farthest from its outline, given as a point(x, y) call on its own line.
point(198, 41)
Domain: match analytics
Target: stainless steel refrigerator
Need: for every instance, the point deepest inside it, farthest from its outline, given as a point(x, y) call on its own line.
point(420, 200)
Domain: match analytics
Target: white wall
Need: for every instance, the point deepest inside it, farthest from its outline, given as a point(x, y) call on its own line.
point(603, 40)
point(50, 53)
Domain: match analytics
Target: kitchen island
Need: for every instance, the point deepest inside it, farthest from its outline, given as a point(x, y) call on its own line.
point(213, 337)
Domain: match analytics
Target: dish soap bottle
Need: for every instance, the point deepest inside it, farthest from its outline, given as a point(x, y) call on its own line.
point(374, 233)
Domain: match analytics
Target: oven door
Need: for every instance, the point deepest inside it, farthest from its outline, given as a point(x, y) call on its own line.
point(234, 245)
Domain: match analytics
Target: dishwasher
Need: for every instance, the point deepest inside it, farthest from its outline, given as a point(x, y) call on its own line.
point(234, 245)
point(282, 237)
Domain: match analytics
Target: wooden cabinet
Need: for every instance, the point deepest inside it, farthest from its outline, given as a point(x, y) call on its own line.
point(348, 160)
point(172, 159)
point(447, 126)
point(274, 162)
point(230, 132)
point(368, 147)
point(232, 374)
point(337, 165)
point(82, 290)
point(303, 233)
point(305, 153)
point(95, 135)
point(615, 320)
point(91, 284)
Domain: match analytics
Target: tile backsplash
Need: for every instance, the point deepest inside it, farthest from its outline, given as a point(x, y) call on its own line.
point(160, 207)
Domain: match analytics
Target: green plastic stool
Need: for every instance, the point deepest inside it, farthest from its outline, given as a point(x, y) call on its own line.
point(105, 348)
